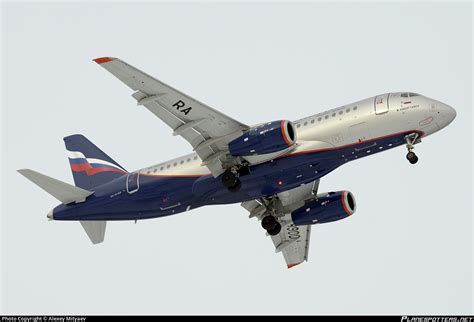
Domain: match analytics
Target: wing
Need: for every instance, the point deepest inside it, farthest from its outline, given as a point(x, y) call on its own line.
point(207, 130)
point(292, 241)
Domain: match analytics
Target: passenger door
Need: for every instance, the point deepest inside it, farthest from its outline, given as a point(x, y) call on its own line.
point(133, 183)
point(381, 104)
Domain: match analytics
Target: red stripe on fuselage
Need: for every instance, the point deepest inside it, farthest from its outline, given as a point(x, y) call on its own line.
point(175, 175)
point(90, 171)
point(352, 144)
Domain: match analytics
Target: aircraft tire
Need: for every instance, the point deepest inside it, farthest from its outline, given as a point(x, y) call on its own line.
point(275, 231)
point(229, 180)
point(412, 158)
point(236, 186)
point(269, 223)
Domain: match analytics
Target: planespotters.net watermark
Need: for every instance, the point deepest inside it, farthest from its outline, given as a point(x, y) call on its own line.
point(44, 319)
point(437, 319)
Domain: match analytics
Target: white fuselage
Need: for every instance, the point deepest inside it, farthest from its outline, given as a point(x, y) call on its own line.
point(371, 118)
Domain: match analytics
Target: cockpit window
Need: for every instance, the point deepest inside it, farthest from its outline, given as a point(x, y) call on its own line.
point(409, 94)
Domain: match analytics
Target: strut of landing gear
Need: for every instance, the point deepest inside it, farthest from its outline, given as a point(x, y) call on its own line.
point(411, 140)
point(231, 181)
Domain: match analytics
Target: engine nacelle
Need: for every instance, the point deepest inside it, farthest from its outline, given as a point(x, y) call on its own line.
point(325, 208)
point(267, 138)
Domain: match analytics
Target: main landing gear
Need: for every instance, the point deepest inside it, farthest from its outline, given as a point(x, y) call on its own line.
point(271, 225)
point(411, 140)
point(230, 180)
point(271, 214)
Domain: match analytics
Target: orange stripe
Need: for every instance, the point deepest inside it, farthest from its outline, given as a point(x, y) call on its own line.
point(293, 265)
point(174, 175)
point(102, 60)
point(282, 127)
point(348, 212)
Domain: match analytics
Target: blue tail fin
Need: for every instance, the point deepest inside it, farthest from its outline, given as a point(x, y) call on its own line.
point(89, 165)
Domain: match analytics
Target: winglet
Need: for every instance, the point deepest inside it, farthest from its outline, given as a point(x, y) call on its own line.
point(102, 60)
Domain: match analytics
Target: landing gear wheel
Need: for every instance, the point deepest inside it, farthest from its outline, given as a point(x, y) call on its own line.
point(269, 222)
point(236, 187)
point(412, 158)
point(275, 231)
point(230, 181)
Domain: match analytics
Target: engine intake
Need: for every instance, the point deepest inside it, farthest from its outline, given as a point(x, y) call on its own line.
point(325, 208)
point(267, 138)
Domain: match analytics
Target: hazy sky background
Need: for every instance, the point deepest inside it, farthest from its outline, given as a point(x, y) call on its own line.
point(407, 250)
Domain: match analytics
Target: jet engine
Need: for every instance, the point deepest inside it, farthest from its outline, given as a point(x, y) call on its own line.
point(325, 208)
point(267, 138)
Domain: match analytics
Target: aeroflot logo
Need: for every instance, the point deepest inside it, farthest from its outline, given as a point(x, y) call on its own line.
point(179, 106)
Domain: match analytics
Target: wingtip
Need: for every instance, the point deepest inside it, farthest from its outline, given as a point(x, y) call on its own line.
point(102, 60)
point(293, 265)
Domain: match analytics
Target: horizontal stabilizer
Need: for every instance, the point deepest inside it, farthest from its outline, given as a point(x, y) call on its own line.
point(95, 230)
point(62, 191)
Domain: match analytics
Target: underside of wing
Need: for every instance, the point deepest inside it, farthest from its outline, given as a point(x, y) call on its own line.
point(293, 243)
point(292, 240)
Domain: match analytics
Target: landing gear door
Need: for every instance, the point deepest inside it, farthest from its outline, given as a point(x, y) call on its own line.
point(133, 183)
point(381, 104)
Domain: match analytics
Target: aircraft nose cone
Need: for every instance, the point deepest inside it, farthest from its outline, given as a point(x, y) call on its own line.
point(444, 114)
point(448, 113)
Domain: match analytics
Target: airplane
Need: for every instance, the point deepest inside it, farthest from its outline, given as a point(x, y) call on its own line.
point(273, 168)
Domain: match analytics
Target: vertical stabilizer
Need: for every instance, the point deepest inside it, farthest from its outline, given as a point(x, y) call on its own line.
point(90, 166)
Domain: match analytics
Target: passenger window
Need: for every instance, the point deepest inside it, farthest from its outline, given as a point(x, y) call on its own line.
point(326, 117)
point(181, 162)
point(305, 123)
point(161, 168)
point(354, 108)
point(298, 125)
point(348, 110)
point(188, 160)
point(195, 158)
point(340, 112)
point(154, 170)
point(319, 119)
point(168, 166)
point(333, 114)
point(175, 164)
point(312, 121)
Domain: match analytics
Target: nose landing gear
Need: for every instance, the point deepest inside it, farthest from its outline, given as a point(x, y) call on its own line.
point(411, 140)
